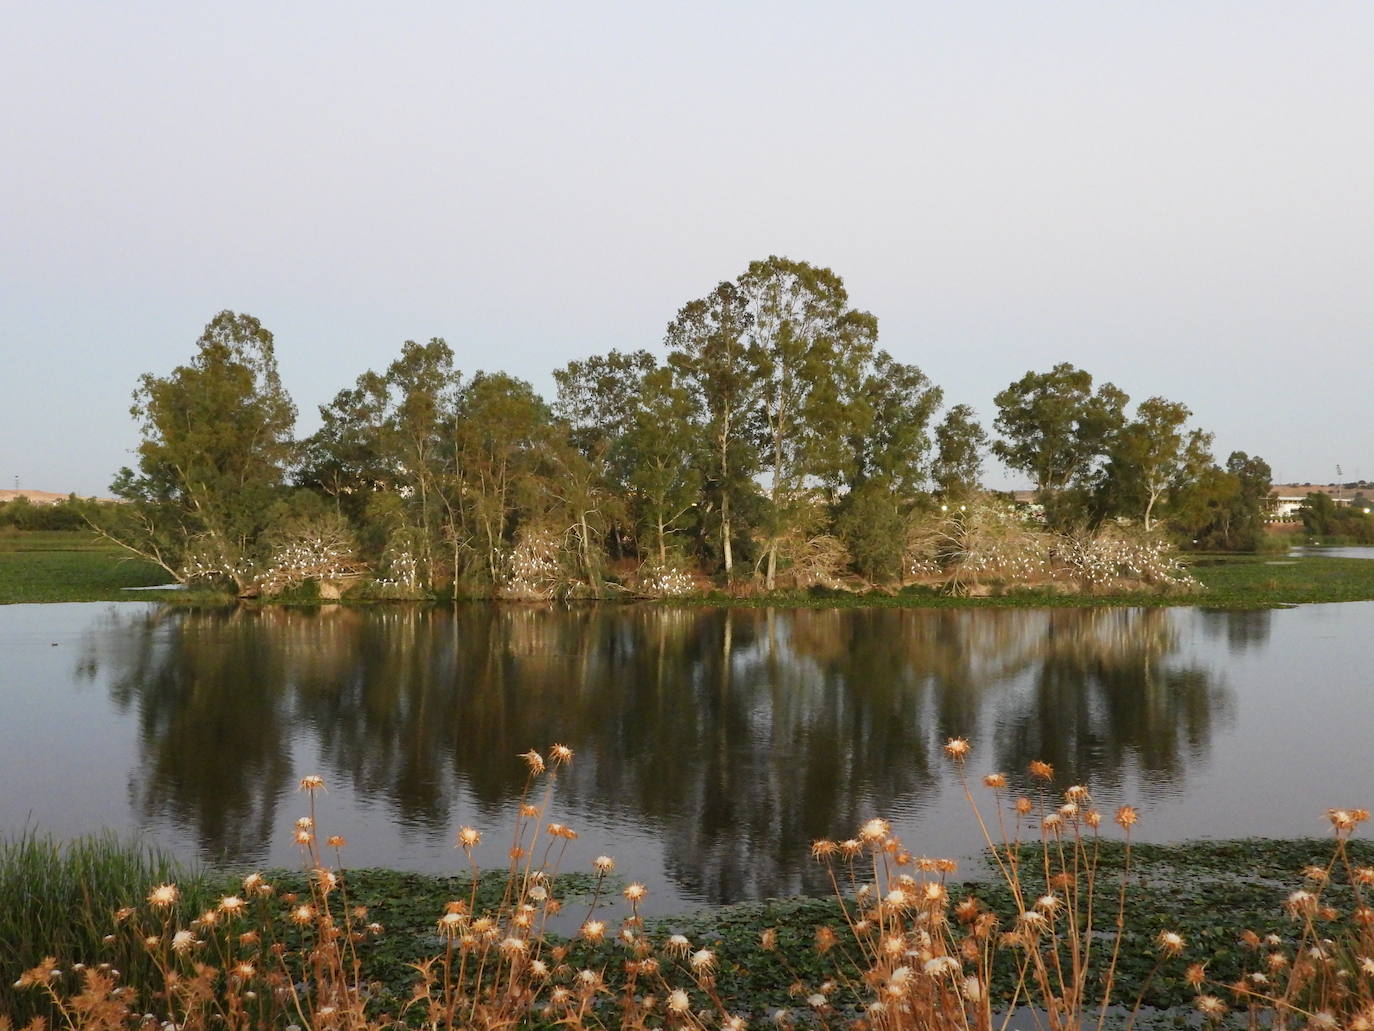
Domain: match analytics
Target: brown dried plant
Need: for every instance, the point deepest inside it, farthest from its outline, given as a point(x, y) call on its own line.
point(908, 951)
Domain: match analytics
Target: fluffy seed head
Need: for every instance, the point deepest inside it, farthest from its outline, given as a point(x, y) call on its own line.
point(1170, 942)
point(1210, 1006)
point(594, 930)
point(703, 961)
point(875, 830)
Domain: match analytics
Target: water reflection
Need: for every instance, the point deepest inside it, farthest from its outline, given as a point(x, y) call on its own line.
point(1241, 629)
point(735, 736)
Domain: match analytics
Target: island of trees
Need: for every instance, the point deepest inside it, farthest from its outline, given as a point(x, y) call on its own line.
point(769, 444)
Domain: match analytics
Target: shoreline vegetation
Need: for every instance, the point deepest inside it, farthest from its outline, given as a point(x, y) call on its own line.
point(772, 445)
point(1068, 921)
point(75, 566)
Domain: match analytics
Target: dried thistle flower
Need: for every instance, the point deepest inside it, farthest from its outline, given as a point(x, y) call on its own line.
point(1170, 943)
point(875, 830)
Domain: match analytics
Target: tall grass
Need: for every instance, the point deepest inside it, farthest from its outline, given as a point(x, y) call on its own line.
point(61, 899)
point(906, 950)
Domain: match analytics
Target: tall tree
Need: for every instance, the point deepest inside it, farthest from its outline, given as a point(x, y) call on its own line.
point(709, 350)
point(217, 440)
point(886, 470)
point(501, 442)
point(600, 398)
point(889, 427)
point(663, 485)
point(422, 385)
point(959, 444)
point(809, 351)
point(346, 458)
point(1151, 453)
point(1055, 428)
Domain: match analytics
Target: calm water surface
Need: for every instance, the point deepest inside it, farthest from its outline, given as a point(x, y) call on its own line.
point(712, 746)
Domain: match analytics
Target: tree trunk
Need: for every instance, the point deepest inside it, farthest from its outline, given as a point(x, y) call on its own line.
point(725, 533)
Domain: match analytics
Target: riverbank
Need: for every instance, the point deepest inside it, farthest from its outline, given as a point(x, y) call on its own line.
point(66, 565)
point(1209, 893)
point(73, 567)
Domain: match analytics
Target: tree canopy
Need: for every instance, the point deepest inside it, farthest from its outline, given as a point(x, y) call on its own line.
point(775, 440)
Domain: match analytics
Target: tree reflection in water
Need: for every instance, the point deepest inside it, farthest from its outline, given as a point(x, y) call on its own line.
point(736, 736)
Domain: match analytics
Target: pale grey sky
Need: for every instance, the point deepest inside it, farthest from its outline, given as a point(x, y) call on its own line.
point(1175, 196)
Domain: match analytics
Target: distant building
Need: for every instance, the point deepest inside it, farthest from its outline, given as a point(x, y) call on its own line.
point(1286, 498)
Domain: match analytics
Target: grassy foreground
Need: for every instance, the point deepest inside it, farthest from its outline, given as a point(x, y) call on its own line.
point(62, 902)
point(65, 565)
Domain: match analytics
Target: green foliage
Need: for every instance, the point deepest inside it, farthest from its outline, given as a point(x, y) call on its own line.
point(1055, 427)
point(1322, 517)
point(60, 899)
point(959, 444)
point(774, 404)
point(216, 444)
point(809, 352)
point(1150, 457)
point(22, 514)
point(709, 352)
point(873, 530)
point(70, 565)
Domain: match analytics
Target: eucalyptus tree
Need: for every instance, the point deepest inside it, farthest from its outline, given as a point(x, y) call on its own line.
point(1152, 454)
point(710, 352)
point(347, 457)
point(503, 433)
point(599, 398)
point(808, 350)
point(886, 468)
point(662, 481)
point(959, 444)
point(423, 387)
point(888, 423)
point(217, 441)
point(1055, 427)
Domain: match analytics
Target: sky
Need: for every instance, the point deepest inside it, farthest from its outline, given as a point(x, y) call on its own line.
point(1174, 196)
